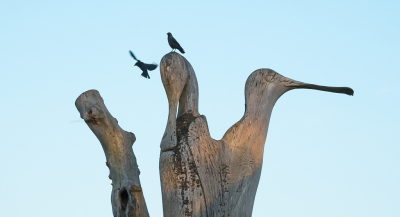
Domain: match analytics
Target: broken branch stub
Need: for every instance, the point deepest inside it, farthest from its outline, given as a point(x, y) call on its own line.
point(127, 197)
point(201, 176)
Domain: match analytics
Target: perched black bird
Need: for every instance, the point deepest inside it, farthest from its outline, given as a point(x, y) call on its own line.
point(173, 43)
point(143, 66)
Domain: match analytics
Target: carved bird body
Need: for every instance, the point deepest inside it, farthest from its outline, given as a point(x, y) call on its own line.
point(229, 169)
point(143, 66)
point(174, 44)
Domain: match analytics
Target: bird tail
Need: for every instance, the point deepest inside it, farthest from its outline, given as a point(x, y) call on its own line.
point(146, 75)
point(181, 50)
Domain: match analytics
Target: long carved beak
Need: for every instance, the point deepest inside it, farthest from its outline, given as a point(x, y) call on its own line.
point(345, 90)
point(293, 84)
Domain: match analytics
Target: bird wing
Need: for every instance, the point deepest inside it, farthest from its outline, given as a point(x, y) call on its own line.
point(151, 67)
point(174, 41)
point(133, 55)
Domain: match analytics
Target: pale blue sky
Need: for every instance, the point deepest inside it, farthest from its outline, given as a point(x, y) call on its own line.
point(326, 154)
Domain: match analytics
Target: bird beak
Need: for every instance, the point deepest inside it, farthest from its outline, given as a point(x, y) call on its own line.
point(285, 84)
point(292, 84)
point(345, 90)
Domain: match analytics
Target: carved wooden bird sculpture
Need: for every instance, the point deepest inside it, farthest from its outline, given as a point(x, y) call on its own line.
point(174, 44)
point(221, 175)
point(143, 66)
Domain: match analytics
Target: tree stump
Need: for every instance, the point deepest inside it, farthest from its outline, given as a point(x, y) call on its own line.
point(127, 198)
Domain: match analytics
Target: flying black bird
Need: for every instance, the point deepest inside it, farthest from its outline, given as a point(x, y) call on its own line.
point(143, 66)
point(173, 43)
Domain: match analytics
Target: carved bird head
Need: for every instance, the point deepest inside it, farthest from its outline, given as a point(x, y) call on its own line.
point(265, 86)
point(267, 81)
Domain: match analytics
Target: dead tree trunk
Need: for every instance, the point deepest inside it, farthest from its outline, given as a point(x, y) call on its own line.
point(127, 198)
point(201, 176)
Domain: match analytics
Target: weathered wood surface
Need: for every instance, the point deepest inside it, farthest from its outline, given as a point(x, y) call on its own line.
point(201, 176)
point(127, 198)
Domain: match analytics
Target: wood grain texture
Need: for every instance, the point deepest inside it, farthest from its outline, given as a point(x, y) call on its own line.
point(201, 176)
point(127, 198)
